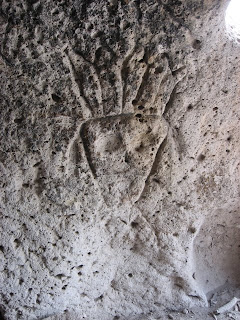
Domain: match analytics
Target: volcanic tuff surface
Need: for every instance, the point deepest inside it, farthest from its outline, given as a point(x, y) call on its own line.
point(119, 158)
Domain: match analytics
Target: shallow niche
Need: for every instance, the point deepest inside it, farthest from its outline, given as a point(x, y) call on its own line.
point(217, 250)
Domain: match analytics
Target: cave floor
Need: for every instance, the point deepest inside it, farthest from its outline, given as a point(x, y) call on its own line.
point(216, 299)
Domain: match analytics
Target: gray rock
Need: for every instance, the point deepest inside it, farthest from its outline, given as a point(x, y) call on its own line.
point(119, 158)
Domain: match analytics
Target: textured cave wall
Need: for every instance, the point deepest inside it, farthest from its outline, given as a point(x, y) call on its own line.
point(119, 157)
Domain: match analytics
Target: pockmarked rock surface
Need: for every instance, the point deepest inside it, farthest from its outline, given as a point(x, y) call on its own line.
point(119, 159)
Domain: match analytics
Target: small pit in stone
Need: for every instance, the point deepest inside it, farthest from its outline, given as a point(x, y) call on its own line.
point(197, 44)
point(201, 157)
point(18, 120)
point(60, 276)
point(56, 98)
point(134, 224)
point(159, 70)
point(192, 230)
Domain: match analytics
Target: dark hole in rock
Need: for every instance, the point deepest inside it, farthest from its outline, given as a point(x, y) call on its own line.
point(25, 185)
point(56, 98)
point(37, 164)
point(60, 275)
point(201, 157)
point(18, 120)
point(126, 159)
point(197, 44)
point(99, 298)
point(134, 224)
point(192, 230)
point(159, 70)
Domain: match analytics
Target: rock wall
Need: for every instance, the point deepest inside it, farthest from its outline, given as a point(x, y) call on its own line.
point(119, 157)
